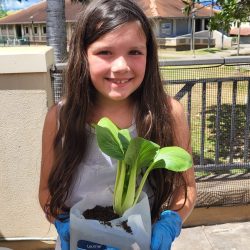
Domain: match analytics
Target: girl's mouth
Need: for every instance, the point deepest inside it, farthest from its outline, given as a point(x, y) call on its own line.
point(118, 81)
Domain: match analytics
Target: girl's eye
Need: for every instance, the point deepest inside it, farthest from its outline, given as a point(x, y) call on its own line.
point(104, 52)
point(135, 52)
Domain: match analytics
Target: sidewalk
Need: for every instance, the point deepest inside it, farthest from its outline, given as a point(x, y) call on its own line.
point(229, 236)
point(244, 51)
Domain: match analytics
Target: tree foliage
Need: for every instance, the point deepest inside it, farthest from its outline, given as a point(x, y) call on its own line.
point(189, 6)
point(3, 13)
point(232, 11)
point(244, 3)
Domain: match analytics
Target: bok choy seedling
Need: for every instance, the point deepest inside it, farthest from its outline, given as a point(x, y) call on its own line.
point(133, 154)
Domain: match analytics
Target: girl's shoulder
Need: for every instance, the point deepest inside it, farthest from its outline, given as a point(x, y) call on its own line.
point(180, 124)
point(54, 111)
point(52, 117)
point(176, 107)
point(50, 122)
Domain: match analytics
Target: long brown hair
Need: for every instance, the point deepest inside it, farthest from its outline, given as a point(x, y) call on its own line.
point(153, 118)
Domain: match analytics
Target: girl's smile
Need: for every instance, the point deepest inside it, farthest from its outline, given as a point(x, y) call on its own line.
point(117, 62)
point(119, 83)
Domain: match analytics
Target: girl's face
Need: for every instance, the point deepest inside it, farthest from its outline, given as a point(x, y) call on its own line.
point(117, 62)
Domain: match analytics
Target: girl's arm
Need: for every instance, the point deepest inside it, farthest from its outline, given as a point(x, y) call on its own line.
point(49, 132)
point(169, 225)
point(182, 134)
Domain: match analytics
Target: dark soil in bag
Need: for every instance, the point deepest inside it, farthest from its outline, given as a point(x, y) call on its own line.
point(105, 215)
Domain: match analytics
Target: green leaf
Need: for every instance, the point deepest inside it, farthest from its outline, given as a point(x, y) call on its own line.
point(173, 158)
point(141, 151)
point(125, 138)
point(132, 155)
point(108, 140)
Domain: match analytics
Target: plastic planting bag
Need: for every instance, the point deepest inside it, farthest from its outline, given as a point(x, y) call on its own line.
point(138, 219)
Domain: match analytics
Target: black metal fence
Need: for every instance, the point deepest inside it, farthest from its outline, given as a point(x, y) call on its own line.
point(4, 41)
point(215, 93)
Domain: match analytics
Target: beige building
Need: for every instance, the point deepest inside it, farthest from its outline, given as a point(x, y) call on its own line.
point(29, 25)
point(244, 32)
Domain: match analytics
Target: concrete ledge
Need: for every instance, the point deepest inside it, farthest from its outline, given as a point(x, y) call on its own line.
point(218, 215)
point(28, 245)
point(25, 59)
point(25, 95)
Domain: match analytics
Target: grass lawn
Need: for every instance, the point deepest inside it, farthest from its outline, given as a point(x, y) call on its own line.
point(168, 54)
point(203, 71)
point(198, 72)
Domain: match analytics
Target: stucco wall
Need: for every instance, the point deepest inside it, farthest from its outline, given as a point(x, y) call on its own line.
point(227, 41)
point(25, 95)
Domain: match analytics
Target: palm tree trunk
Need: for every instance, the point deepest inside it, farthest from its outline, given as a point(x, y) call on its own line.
point(238, 38)
point(56, 29)
point(222, 39)
point(56, 37)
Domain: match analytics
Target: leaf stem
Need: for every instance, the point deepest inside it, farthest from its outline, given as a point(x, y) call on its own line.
point(130, 194)
point(119, 184)
point(143, 180)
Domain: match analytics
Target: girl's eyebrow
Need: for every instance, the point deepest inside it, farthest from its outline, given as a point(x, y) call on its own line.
point(139, 47)
point(102, 47)
point(97, 47)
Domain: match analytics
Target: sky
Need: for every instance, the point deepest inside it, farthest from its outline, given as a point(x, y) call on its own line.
point(16, 5)
point(209, 2)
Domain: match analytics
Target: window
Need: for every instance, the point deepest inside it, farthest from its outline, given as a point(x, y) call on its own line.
point(206, 24)
point(11, 30)
point(44, 29)
point(35, 30)
point(26, 30)
point(165, 28)
point(198, 25)
point(3, 30)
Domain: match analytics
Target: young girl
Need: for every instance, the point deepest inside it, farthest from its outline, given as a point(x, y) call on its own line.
point(113, 72)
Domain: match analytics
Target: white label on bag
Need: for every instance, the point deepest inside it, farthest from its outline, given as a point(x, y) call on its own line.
point(88, 245)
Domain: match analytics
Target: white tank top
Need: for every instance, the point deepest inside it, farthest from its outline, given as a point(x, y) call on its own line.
point(96, 172)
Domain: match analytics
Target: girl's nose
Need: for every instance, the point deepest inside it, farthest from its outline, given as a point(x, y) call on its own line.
point(119, 65)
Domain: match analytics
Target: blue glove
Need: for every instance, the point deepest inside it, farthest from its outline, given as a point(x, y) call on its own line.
point(165, 230)
point(62, 227)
